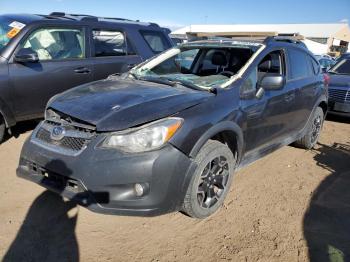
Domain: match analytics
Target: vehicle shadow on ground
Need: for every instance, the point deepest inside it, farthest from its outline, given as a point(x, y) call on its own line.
point(47, 233)
point(336, 118)
point(19, 129)
point(326, 223)
point(48, 230)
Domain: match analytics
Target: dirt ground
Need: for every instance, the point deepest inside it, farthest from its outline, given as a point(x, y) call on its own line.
point(292, 205)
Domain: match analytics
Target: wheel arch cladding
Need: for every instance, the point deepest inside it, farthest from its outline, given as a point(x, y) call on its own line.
point(226, 132)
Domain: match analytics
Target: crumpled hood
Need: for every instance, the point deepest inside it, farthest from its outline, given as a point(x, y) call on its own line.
point(339, 80)
point(113, 105)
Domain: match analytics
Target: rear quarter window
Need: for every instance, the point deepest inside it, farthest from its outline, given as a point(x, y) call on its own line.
point(156, 41)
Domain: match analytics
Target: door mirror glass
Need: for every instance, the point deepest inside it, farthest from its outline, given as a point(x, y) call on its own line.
point(26, 55)
point(272, 82)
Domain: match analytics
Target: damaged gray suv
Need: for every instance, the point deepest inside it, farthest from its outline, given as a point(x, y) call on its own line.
point(169, 134)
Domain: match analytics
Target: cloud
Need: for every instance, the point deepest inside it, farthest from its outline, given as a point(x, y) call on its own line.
point(345, 20)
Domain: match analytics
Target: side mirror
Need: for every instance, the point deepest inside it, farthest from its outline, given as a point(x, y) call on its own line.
point(272, 82)
point(26, 55)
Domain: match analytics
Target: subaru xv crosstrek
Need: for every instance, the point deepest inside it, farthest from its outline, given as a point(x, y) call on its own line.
point(169, 134)
point(43, 55)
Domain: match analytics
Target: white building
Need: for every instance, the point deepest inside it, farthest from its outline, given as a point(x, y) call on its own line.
point(335, 37)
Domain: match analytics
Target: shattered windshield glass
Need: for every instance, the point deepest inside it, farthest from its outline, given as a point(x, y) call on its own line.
point(203, 66)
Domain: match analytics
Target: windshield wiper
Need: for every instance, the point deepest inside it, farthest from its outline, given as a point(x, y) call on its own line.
point(188, 84)
point(158, 80)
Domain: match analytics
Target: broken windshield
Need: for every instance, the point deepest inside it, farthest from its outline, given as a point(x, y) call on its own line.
point(205, 66)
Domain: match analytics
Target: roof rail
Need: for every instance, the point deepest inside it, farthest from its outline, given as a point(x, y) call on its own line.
point(287, 39)
point(88, 17)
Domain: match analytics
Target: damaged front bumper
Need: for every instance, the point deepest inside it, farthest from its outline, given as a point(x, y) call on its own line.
point(103, 180)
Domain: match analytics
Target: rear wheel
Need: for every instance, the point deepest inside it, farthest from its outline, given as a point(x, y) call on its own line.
point(2, 129)
point(313, 131)
point(211, 180)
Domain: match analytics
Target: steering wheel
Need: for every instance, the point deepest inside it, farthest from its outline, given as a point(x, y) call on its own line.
point(226, 73)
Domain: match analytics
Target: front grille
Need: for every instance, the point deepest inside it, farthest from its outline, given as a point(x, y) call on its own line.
point(71, 143)
point(75, 139)
point(339, 95)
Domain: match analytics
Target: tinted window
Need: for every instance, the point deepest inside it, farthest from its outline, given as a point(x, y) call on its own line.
point(111, 43)
point(57, 43)
point(156, 41)
point(271, 64)
point(300, 66)
point(315, 66)
point(342, 67)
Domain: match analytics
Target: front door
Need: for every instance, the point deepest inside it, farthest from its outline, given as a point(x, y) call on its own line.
point(62, 65)
point(269, 118)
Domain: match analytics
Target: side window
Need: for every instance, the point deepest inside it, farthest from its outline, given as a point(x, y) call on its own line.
point(56, 43)
point(299, 64)
point(249, 85)
point(315, 66)
point(272, 63)
point(156, 41)
point(111, 43)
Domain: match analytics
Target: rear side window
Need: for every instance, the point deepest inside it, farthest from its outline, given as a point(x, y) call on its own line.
point(316, 67)
point(299, 64)
point(111, 43)
point(156, 41)
point(56, 43)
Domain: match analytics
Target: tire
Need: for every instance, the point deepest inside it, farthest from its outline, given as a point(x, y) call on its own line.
point(313, 131)
point(211, 180)
point(2, 129)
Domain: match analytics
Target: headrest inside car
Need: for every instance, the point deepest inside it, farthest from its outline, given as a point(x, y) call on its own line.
point(265, 66)
point(219, 59)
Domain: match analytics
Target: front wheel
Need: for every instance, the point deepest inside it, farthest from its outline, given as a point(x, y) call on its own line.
point(211, 180)
point(313, 130)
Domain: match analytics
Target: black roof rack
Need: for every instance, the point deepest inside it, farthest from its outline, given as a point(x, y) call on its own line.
point(84, 17)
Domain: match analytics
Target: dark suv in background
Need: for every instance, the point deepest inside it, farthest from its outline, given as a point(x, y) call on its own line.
point(169, 134)
point(42, 55)
point(339, 87)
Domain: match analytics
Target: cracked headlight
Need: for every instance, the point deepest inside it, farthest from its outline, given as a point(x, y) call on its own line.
point(148, 137)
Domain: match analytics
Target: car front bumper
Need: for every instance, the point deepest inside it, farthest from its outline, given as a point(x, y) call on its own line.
point(339, 108)
point(103, 180)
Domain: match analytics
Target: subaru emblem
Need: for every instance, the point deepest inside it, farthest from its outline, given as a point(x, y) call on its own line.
point(57, 133)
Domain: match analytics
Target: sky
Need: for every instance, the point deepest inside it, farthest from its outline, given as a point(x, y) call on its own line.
point(180, 13)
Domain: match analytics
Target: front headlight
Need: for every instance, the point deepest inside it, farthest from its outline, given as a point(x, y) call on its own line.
point(149, 137)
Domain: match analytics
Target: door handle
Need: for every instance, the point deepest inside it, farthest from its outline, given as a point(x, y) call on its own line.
point(289, 97)
point(82, 70)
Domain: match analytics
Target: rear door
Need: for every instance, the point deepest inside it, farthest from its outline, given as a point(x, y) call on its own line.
point(304, 77)
point(62, 65)
point(112, 52)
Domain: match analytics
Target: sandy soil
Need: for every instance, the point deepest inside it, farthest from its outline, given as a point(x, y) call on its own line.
point(289, 206)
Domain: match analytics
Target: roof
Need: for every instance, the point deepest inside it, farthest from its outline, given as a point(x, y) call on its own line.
point(307, 30)
point(29, 18)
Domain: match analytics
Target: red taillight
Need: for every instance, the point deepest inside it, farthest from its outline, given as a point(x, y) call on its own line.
point(326, 79)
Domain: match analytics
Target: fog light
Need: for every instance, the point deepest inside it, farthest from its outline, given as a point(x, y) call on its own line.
point(139, 190)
